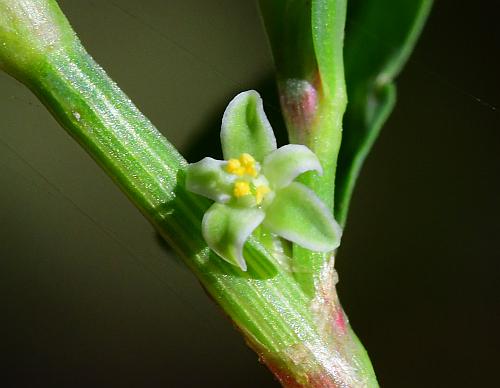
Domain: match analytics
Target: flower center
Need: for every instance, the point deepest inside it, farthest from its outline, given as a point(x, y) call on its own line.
point(250, 182)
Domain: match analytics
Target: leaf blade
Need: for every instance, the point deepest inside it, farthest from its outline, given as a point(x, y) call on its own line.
point(380, 37)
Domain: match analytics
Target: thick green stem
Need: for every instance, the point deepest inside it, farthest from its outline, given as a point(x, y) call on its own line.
point(266, 304)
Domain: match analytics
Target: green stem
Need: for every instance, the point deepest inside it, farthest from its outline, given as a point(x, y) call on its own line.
point(265, 302)
point(307, 42)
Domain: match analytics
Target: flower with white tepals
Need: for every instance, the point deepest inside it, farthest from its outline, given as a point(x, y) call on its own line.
point(255, 186)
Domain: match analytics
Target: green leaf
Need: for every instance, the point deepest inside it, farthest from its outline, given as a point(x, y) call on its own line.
point(298, 215)
point(285, 164)
point(225, 229)
point(246, 129)
point(288, 26)
point(380, 36)
point(208, 178)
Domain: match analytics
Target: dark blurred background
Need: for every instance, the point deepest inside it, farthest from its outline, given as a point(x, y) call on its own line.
point(90, 297)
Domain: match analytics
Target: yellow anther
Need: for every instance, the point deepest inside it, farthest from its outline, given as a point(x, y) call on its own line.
point(247, 160)
point(244, 165)
point(234, 167)
point(241, 189)
point(260, 192)
point(250, 170)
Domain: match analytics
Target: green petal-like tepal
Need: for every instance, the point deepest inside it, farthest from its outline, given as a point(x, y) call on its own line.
point(298, 215)
point(226, 228)
point(246, 129)
point(285, 164)
point(208, 178)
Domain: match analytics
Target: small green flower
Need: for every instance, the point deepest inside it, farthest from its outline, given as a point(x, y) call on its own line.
point(254, 186)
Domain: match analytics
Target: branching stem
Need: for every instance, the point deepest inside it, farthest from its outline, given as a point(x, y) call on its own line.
point(265, 303)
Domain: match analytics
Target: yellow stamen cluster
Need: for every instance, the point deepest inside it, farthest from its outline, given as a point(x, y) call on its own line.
point(234, 167)
point(245, 165)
